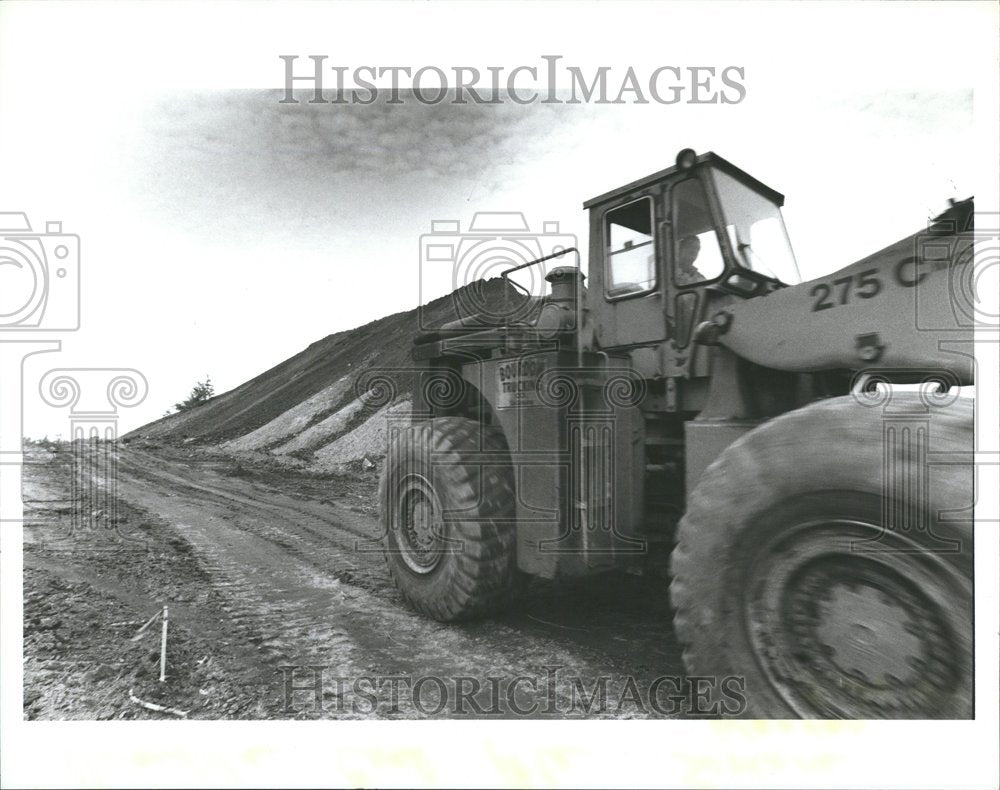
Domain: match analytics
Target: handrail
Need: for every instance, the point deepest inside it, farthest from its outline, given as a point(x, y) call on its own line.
point(578, 308)
point(544, 258)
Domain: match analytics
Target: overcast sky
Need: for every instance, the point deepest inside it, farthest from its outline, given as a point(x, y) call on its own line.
point(223, 231)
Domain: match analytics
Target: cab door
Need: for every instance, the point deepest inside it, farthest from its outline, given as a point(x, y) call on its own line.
point(694, 253)
point(633, 271)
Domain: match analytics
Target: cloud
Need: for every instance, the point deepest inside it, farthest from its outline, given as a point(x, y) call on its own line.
point(240, 160)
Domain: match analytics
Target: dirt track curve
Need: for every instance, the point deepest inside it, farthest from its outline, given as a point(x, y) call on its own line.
point(289, 575)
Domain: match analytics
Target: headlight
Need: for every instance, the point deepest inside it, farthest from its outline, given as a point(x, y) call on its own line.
point(686, 159)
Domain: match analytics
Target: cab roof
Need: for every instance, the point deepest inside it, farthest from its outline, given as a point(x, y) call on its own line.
point(709, 158)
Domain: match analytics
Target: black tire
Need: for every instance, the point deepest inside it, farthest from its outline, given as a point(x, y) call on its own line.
point(454, 473)
point(828, 594)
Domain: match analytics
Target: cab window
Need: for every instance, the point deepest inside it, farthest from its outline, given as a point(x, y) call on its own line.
point(697, 256)
point(756, 230)
point(630, 251)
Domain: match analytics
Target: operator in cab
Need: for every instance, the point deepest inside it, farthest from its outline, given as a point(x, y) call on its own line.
point(687, 253)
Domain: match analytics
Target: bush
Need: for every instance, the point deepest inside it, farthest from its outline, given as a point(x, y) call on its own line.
point(201, 392)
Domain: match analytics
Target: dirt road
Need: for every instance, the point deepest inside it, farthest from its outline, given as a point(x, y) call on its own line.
point(280, 607)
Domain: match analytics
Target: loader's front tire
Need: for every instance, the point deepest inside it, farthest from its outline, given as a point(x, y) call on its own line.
point(824, 565)
point(447, 497)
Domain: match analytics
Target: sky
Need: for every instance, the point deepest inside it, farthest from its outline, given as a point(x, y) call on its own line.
point(223, 231)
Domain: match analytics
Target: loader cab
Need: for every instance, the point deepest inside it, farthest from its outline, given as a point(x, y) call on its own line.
point(663, 247)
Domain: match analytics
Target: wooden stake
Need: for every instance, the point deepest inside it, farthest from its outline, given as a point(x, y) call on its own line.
point(163, 647)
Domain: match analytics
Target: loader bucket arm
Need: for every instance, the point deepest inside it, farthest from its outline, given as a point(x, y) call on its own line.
point(905, 308)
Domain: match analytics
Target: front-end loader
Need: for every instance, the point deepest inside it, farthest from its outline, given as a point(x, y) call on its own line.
point(804, 450)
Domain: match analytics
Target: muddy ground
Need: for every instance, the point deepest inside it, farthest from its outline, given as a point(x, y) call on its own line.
point(280, 607)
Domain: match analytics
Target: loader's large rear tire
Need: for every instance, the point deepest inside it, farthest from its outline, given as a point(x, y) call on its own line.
point(447, 498)
point(827, 592)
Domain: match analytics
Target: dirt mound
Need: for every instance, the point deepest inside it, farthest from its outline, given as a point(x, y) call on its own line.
point(368, 440)
point(311, 407)
point(294, 422)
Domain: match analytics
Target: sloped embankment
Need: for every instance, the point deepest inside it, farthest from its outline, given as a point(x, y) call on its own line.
point(312, 410)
